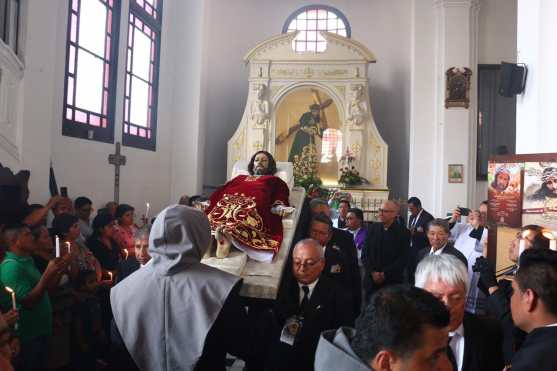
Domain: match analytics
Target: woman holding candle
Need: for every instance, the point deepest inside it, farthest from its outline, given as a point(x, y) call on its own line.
point(126, 227)
point(102, 245)
point(67, 228)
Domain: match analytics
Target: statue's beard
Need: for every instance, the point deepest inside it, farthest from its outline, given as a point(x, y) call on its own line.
point(259, 170)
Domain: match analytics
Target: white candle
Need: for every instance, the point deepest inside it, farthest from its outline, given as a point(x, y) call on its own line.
point(110, 275)
point(69, 246)
point(553, 245)
point(12, 292)
point(126, 254)
point(147, 206)
point(57, 247)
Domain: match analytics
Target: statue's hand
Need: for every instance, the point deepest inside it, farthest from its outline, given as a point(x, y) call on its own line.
point(282, 210)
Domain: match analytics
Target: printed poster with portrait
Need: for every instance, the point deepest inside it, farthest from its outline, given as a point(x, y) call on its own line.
point(504, 194)
point(540, 194)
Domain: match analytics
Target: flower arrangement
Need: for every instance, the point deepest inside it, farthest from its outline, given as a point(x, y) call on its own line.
point(348, 174)
point(306, 168)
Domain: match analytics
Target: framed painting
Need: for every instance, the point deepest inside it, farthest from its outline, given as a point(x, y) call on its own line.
point(456, 173)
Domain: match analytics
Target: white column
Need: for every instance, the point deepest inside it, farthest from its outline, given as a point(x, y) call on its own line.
point(440, 136)
point(536, 111)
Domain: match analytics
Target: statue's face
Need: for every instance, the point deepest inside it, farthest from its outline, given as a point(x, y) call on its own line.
point(552, 186)
point(260, 164)
point(315, 112)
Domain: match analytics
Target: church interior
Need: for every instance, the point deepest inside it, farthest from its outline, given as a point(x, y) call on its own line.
point(298, 166)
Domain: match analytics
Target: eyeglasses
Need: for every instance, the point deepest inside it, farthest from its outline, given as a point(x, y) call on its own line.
point(386, 211)
point(307, 263)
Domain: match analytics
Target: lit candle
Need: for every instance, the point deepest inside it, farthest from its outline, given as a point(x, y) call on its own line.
point(551, 237)
point(147, 207)
point(69, 246)
point(110, 275)
point(126, 254)
point(12, 292)
point(57, 247)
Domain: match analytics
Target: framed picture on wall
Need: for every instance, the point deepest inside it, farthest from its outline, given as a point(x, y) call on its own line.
point(456, 173)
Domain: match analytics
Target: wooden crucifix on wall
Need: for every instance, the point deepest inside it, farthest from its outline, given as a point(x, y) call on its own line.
point(117, 159)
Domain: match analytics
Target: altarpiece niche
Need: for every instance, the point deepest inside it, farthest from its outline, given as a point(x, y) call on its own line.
point(310, 109)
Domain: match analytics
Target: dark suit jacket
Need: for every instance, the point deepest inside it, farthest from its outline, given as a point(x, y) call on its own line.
point(538, 351)
point(385, 251)
point(498, 305)
point(341, 265)
point(126, 267)
point(329, 308)
point(419, 238)
point(449, 249)
point(483, 339)
point(231, 333)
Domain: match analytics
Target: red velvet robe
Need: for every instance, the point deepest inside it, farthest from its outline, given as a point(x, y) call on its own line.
point(242, 207)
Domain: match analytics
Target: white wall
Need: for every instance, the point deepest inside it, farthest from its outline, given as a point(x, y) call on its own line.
point(82, 165)
point(236, 26)
point(536, 111)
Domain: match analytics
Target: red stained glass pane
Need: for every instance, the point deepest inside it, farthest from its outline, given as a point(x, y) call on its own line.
point(105, 103)
point(133, 130)
point(94, 120)
point(109, 22)
point(69, 99)
point(80, 116)
point(107, 49)
point(142, 133)
point(106, 74)
point(69, 113)
point(73, 29)
point(71, 62)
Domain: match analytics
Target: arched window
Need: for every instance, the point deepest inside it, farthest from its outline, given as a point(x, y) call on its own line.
point(311, 19)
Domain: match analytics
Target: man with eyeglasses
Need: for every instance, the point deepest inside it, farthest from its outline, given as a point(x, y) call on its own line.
point(386, 253)
point(500, 292)
point(311, 304)
point(475, 343)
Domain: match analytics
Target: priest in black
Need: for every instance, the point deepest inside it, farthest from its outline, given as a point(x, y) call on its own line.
point(311, 304)
point(534, 310)
point(386, 253)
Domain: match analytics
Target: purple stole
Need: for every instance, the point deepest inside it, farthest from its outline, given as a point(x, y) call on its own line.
point(360, 238)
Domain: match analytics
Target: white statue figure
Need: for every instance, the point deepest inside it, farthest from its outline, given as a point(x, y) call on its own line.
point(260, 108)
point(357, 109)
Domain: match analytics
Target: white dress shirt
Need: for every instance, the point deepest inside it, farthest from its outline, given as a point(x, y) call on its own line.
point(437, 252)
point(457, 345)
point(311, 286)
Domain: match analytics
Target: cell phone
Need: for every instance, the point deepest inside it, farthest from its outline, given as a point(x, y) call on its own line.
point(464, 211)
point(64, 191)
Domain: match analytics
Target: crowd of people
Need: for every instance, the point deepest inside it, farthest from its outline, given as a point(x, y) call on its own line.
point(105, 293)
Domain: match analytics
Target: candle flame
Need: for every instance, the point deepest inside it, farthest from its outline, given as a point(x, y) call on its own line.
point(110, 275)
point(549, 235)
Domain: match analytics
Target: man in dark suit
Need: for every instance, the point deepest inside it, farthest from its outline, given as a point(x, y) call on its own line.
point(475, 343)
point(385, 255)
point(341, 262)
point(311, 304)
point(438, 236)
point(534, 310)
point(498, 301)
point(417, 224)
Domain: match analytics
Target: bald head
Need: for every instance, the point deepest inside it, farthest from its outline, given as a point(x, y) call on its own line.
point(308, 261)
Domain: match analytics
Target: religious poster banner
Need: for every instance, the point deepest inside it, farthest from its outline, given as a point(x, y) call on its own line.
point(504, 194)
point(540, 194)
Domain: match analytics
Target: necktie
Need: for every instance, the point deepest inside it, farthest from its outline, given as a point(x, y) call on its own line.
point(305, 300)
point(451, 355)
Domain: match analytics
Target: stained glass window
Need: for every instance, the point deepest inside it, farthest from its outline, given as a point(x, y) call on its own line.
point(142, 64)
point(91, 60)
point(309, 20)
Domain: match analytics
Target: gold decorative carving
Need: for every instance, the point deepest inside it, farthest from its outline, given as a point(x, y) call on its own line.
point(356, 148)
point(257, 146)
point(309, 73)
